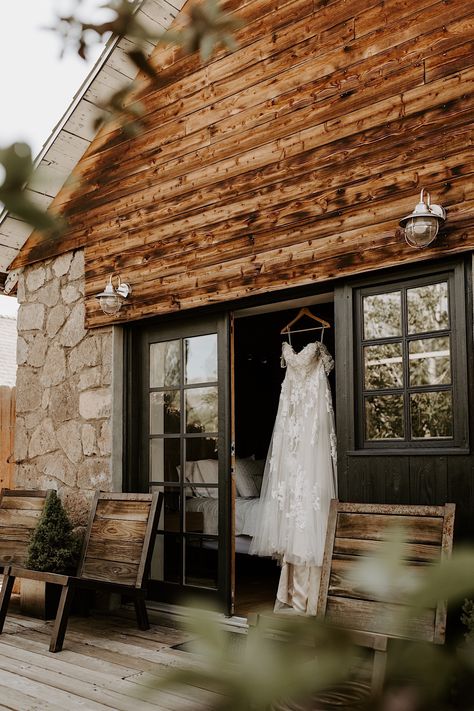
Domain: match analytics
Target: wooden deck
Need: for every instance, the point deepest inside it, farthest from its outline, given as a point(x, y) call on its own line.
point(106, 663)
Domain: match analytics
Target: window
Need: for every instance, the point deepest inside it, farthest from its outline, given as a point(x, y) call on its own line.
point(410, 365)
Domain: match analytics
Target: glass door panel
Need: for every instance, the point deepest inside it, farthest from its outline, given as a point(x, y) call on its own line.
point(185, 454)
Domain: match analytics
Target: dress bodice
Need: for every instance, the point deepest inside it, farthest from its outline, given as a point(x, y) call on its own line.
point(311, 355)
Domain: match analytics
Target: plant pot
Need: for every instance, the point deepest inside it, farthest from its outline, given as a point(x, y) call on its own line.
point(39, 599)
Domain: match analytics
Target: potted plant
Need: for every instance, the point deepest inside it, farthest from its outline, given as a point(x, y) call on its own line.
point(54, 548)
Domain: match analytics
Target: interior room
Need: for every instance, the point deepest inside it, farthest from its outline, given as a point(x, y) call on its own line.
point(258, 376)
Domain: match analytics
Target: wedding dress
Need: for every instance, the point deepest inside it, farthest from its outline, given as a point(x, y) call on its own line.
point(299, 480)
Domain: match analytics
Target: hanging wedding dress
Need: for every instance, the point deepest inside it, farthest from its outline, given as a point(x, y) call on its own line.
point(299, 479)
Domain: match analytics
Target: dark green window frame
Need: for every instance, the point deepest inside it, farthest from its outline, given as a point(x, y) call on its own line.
point(458, 385)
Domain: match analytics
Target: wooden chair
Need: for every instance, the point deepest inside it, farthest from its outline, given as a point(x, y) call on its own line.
point(356, 530)
point(20, 510)
point(116, 556)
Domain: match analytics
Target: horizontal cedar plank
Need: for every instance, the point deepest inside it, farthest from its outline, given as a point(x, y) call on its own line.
point(368, 117)
point(123, 510)
point(251, 279)
point(12, 552)
point(178, 111)
point(383, 618)
point(436, 96)
point(415, 529)
point(374, 19)
point(110, 571)
point(449, 61)
point(363, 547)
point(335, 78)
point(174, 240)
point(113, 530)
point(342, 582)
point(34, 503)
point(22, 517)
point(365, 151)
point(125, 552)
point(315, 209)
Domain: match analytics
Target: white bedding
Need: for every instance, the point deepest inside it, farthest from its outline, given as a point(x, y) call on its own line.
point(245, 514)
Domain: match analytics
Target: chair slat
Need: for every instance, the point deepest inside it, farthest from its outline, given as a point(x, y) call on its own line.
point(416, 529)
point(126, 552)
point(124, 510)
point(110, 571)
point(113, 530)
point(410, 551)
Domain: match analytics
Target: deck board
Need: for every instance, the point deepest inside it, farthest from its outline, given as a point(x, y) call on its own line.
point(106, 663)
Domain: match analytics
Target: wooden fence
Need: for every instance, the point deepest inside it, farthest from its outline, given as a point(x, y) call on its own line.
point(7, 432)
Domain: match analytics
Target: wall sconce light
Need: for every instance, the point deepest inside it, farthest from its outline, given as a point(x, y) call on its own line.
point(422, 225)
point(112, 298)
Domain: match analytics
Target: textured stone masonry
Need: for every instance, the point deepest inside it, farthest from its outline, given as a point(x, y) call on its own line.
point(64, 396)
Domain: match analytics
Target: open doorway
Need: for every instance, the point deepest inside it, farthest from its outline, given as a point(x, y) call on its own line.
point(258, 375)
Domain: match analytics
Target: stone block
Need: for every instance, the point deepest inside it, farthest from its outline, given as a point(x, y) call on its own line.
point(105, 439)
point(89, 442)
point(64, 402)
point(90, 378)
point(73, 330)
point(54, 370)
point(21, 350)
point(56, 469)
point(35, 278)
point(86, 354)
point(95, 404)
point(31, 317)
point(48, 294)
point(26, 476)
point(21, 288)
point(43, 439)
point(21, 440)
point(62, 263)
point(70, 293)
point(37, 350)
point(56, 318)
point(28, 389)
point(94, 473)
point(69, 438)
point(76, 270)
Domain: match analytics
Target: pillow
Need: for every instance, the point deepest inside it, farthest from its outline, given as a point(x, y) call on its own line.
point(204, 471)
point(188, 468)
point(246, 473)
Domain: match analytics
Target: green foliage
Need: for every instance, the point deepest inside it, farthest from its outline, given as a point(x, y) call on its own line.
point(17, 164)
point(467, 618)
point(54, 547)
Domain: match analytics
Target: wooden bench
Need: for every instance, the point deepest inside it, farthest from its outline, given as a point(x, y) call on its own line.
point(20, 510)
point(357, 530)
point(116, 556)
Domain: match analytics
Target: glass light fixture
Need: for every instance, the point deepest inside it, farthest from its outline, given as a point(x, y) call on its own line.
point(112, 298)
point(422, 225)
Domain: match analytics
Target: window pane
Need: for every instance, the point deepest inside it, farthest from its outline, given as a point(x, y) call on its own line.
point(201, 560)
point(384, 417)
point(430, 361)
point(202, 510)
point(382, 315)
point(166, 563)
point(165, 412)
point(201, 359)
point(431, 415)
point(428, 308)
point(201, 409)
point(169, 517)
point(164, 364)
point(165, 459)
point(383, 366)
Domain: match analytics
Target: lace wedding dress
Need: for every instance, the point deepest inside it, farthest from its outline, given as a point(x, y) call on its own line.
point(300, 478)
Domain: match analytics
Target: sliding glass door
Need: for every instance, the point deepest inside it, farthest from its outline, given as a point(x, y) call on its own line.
point(179, 400)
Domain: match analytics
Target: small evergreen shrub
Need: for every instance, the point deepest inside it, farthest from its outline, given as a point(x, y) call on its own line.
point(467, 618)
point(54, 547)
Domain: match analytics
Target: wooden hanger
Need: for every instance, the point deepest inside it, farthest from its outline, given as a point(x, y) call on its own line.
point(305, 312)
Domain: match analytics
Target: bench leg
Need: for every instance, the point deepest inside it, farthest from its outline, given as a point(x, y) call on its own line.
point(7, 587)
point(141, 612)
point(62, 618)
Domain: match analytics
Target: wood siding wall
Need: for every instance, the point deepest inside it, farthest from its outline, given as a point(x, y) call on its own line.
point(287, 162)
point(7, 432)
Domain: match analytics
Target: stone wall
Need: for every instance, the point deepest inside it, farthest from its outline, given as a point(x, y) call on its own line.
point(64, 387)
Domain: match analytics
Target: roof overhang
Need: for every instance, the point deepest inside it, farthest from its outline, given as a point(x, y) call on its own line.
point(75, 131)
